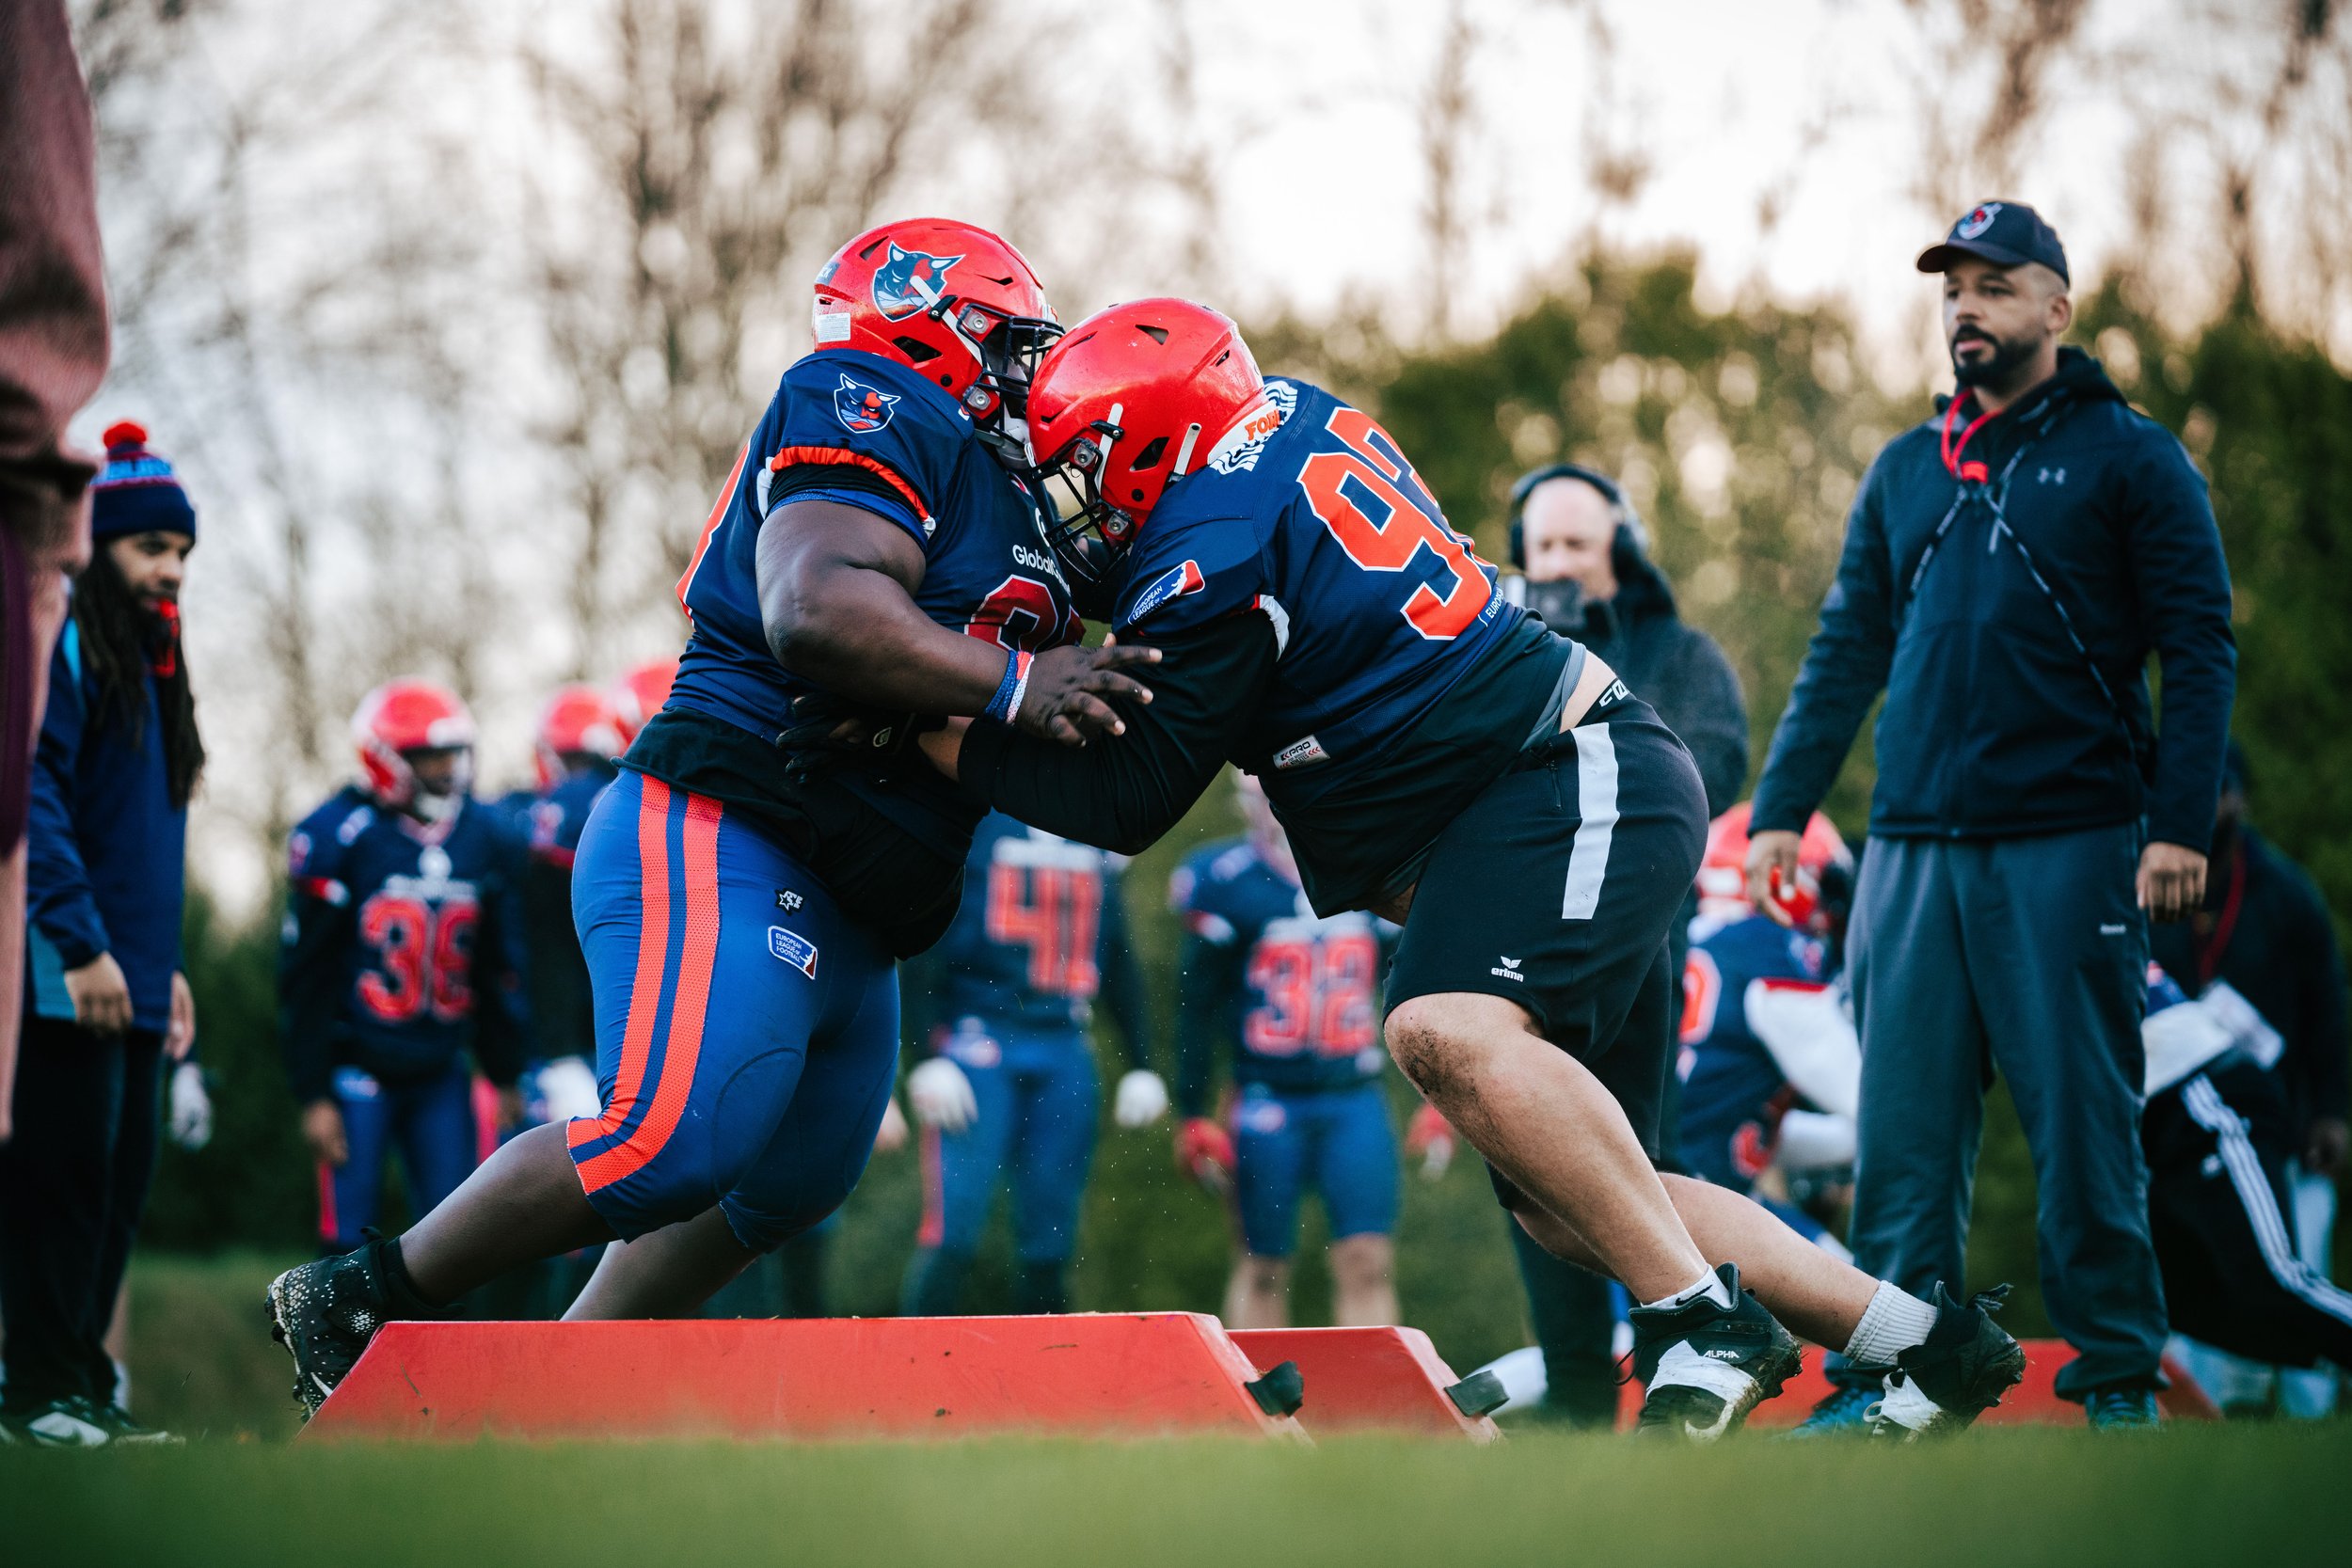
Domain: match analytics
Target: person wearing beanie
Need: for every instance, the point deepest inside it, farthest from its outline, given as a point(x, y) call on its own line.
point(117, 759)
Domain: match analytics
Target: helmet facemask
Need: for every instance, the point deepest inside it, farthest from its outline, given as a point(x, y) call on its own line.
point(1007, 348)
point(1089, 532)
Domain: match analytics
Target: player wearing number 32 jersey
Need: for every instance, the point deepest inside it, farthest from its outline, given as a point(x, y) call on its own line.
point(1436, 756)
point(742, 890)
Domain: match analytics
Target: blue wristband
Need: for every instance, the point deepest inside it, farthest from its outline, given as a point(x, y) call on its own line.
point(1006, 702)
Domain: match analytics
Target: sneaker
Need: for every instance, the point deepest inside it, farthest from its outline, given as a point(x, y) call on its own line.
point(120, 1428)
point(1707, 1366)
point(68, 1423)
point(1962, 1371)
point(2122, 1409)
point(324, 1313)
point(1846, 1413)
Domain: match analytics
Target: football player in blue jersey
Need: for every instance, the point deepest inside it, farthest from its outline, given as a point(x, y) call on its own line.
point(1438, 757)
point(742, 890)
point(1009, 1086)
point(400, 966)
point(1767, 1063)
point(1290, 996)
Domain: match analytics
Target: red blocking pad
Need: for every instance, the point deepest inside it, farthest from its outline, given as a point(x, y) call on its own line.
point(1367, 1379)
point(1111, 1374)
point(2034, 1401)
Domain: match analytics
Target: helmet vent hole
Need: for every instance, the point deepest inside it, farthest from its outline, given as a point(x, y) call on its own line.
point(1157, 334)
point(1221, 358)
point(1134, 495)
point(876, 244)
point(916, 351)
point(1152, 454)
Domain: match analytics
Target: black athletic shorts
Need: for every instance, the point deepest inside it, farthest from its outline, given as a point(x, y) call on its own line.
point(1556, 888)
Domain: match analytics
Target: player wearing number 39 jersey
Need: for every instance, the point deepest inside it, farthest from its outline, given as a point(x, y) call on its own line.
point(1435, 755)
point(742, 890)
point(402, 962)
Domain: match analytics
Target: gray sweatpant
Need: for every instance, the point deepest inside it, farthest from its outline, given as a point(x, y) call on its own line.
point(2026, 956)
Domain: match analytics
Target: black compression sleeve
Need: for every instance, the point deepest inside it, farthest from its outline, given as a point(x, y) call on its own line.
point(1123, 792)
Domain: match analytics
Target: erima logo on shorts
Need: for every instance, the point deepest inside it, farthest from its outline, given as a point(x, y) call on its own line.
point(794, 949)
point(1510, 970)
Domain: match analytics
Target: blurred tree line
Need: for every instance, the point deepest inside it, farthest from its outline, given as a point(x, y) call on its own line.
point(1742, 435)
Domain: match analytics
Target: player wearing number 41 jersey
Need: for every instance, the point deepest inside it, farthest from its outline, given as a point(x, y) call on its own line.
point(741, 890)
point(402, 965)
point(1435, 755)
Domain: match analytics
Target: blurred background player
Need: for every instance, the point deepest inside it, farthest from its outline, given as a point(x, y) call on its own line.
point(1010, 1088)
point(1290, 997)
point(117, 759)
point(2262, 946)
point(400, 959)
point(2218, 1133)
point(1767, 1062)
point(1583, 554)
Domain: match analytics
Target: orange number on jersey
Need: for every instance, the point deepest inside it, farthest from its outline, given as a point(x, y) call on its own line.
point(1410, 520)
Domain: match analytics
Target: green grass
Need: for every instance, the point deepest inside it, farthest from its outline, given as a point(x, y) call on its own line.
point(2209, 1494)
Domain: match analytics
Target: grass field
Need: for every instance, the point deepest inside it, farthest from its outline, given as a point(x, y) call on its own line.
point(239, 1493)
point(2207, 1495)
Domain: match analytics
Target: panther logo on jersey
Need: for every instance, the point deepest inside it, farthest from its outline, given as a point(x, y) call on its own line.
point(895, 293)
point(861, 409)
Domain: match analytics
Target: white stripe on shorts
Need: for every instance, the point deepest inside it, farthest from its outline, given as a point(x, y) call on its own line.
point(1597, 800)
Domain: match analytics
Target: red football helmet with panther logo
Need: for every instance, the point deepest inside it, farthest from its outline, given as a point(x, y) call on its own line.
point(956, 302)
point(1132, 398)
point(1723, 879)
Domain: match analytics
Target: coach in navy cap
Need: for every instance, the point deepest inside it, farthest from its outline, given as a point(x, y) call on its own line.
point(2010, 565)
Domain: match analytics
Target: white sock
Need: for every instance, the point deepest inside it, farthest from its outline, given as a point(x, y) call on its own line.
point(1892, 1323)
point(1708, 1284)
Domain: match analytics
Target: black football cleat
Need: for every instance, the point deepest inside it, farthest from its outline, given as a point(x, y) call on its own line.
point(324, 1313)
point(1966, 1365)
point(1707, 1367)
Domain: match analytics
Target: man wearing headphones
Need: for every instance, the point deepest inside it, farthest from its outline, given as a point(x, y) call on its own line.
point(1588, 574)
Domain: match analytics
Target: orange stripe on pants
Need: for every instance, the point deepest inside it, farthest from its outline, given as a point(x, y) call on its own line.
point(688, 1008)
point(653, 944)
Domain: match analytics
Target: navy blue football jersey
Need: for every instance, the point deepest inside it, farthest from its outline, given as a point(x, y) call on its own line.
point(402, 943)
point(1308, 514)
point(1291, 994)
point(856, 428)
point(1041, 933)
point(1734, 1090)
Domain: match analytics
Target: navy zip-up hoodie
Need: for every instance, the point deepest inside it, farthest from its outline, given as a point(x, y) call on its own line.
point(107, 848)
point(2005, 596)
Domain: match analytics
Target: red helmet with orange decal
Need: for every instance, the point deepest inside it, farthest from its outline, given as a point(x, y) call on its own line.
point(1132, 398)
point(397, 723)
point(1723, 880)
point(958, 304)
point(578, 721)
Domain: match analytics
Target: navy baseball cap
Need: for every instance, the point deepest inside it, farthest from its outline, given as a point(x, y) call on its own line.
point(2006, 233)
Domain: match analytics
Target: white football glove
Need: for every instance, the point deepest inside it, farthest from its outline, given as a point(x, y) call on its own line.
point(191, 1108)
point(942, 1096)
point(1141, 1100)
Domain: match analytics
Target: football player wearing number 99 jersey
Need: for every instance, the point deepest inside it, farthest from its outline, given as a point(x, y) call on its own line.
point(1435, 755)
point(402, 958)
point(742, 890)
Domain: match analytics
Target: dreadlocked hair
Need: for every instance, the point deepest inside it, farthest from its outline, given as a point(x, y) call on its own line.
point(119, 638)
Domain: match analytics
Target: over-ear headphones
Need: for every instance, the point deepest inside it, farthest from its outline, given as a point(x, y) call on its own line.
point(1610, 491)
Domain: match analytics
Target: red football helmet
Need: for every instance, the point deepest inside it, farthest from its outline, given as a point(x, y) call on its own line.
point(957, 303)
point(1132, 398)
point(578, 720)
point(411, 715)
point(640, 694)
point(1723, 879)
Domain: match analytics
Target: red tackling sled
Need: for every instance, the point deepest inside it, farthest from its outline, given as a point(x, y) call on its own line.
point(1110, 1374)
point(1376, 1379)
